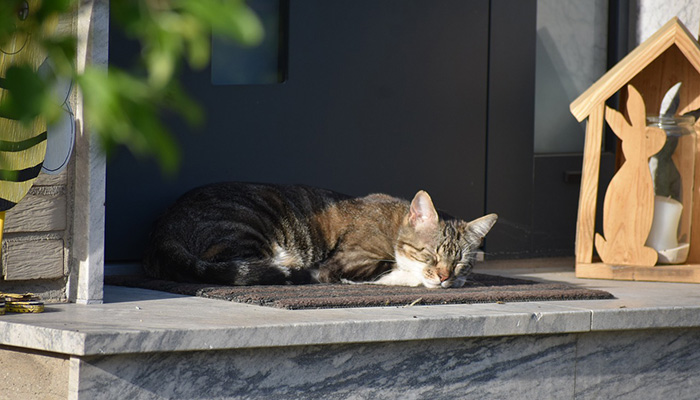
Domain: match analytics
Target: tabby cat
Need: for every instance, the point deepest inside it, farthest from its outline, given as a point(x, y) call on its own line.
point(248, 234)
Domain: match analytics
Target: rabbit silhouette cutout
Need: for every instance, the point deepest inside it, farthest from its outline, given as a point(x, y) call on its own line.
point(628, 209)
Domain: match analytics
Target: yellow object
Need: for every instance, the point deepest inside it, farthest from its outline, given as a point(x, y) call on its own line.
point(22, 303)
point(24, 307)
point(22, 147)
point(2, 230)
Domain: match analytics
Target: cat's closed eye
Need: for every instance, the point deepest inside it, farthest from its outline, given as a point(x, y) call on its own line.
point(413, 251)
point(426, 257)
point(422, 255)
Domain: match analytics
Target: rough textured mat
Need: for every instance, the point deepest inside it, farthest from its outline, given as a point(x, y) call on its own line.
point(481, 289)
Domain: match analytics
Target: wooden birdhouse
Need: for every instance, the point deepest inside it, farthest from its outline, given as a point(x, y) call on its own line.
point(633, 210)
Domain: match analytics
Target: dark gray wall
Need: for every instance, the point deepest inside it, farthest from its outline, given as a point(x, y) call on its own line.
point(386, 96)
point(509, 170)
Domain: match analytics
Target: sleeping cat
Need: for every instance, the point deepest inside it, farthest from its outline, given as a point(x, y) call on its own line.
point(248, 234)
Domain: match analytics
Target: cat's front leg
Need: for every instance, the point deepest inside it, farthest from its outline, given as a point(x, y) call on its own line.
point(339, 270)
point(352, 266)
point(398, 277)
point(394, 278)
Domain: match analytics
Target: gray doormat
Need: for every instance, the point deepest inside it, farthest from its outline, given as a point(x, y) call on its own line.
point(481, 288)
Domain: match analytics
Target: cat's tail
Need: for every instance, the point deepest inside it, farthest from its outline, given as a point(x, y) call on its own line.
point(170, 260)
point(252, 272)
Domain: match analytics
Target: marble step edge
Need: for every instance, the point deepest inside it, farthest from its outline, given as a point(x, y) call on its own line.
point(86, 340)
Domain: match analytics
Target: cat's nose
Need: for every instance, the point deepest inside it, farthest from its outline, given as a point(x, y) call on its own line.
point(443, 276)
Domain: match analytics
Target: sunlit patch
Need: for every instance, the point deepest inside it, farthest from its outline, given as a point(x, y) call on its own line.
point(213, 251)
point(284, 258)
point(411, 267)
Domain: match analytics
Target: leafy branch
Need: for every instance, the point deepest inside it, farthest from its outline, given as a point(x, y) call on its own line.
point(123, 107)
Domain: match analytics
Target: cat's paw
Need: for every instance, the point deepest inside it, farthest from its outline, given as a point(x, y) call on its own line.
point(349, 282)
point(399, 278)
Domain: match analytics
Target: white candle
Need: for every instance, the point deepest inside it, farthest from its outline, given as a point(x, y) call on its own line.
point(663, 236)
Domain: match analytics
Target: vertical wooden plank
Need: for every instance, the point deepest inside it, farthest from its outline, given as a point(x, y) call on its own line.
point(585, 223)
point(694, 255)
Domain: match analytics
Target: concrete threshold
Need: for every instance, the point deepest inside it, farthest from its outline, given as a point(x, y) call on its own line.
point(143, 321)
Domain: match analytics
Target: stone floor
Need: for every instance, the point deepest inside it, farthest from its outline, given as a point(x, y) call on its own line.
point(145, 344)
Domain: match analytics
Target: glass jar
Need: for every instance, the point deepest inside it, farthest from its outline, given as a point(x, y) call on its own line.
point(672, 171)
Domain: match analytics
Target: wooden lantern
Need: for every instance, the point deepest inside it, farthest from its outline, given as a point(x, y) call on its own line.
point(670, 56)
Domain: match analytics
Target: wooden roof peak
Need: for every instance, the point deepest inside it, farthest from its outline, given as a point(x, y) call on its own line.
point(672, 33)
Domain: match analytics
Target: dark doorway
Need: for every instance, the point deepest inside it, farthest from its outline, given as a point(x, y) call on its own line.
point(380, 96)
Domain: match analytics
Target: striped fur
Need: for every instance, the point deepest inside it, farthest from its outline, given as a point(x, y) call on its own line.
point(246, 234)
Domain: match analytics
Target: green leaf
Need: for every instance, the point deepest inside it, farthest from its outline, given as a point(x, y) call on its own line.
point(62, 52)
point(8, 19)
point(123, 110)
point(126, 108)
point(50, 8)
point(232, 18)
point(27, 95)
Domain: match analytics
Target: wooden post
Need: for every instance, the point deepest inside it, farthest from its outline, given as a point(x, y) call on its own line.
point(588, 195)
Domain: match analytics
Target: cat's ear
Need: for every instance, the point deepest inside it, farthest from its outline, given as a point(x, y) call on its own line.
point(422, 213)
point(482, 226)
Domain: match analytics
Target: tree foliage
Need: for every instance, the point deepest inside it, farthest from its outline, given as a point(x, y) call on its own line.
point(122, 107)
